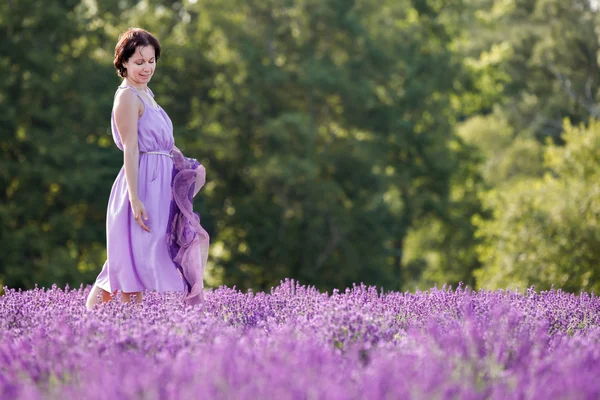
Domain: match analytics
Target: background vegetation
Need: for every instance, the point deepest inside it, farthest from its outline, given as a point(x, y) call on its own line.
point(400, 143)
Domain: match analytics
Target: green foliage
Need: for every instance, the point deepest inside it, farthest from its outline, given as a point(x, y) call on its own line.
point(324, 127)
point(344, 140)
point(53, 140)
point(548, 70)
point(504, 155)
point(441, 248)
point(341, 143)
point(546, 231)
point(528, 65)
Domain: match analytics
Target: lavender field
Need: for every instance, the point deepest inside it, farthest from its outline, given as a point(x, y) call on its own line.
point(297, 343)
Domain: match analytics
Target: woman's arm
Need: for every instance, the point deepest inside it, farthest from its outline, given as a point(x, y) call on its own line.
point(127, 107)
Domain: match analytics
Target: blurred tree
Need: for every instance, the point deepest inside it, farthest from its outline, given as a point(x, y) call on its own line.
point(55, 173)
point(334, 123)
point(326, 127)
point(530, 63)
point(546, 231)
point(541, 55)
point(440, 246)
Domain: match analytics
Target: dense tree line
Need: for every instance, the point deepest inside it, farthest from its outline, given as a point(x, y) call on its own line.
point(400, 143)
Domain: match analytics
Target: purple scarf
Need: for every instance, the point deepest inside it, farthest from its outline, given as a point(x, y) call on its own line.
point(187, 240)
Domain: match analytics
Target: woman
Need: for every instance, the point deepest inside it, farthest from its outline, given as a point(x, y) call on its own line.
point(154, 239)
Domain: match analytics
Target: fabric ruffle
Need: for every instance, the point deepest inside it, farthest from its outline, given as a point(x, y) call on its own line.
point(187, 240)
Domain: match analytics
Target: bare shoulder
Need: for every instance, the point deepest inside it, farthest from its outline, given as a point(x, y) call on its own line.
point(126, 101)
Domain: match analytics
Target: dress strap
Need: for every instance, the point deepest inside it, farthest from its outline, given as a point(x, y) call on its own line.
point(146, 103)
point(130, 87)
point(135, 90)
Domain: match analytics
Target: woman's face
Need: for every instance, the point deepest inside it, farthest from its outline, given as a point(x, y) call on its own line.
point(141, 65)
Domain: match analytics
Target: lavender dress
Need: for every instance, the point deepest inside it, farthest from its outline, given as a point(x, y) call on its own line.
point(173, 255)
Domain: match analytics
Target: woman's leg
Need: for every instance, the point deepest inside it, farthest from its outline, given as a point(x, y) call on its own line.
point(93, 299)
point(127, 297)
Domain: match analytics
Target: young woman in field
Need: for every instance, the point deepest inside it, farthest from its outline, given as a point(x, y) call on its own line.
point(154, 238)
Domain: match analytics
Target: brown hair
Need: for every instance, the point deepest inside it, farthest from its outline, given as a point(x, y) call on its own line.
point(128, 42)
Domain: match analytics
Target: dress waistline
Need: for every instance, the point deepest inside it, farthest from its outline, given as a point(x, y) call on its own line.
point(162, 153)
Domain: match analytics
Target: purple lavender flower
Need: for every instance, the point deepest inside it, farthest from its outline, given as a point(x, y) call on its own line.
point(298, 343)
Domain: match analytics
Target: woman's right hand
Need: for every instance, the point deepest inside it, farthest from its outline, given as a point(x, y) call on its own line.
point(139, 212)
